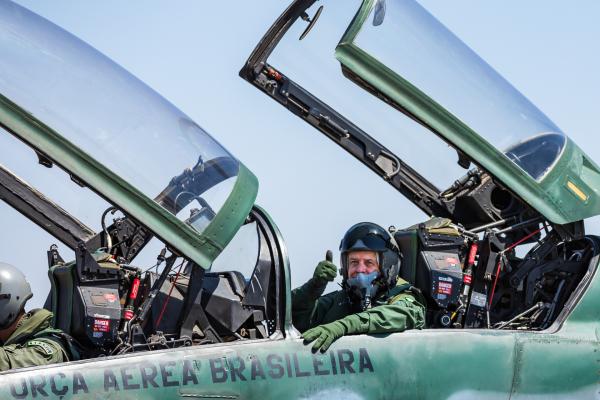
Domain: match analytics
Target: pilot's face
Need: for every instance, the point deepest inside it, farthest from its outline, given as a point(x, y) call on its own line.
point(362, 262)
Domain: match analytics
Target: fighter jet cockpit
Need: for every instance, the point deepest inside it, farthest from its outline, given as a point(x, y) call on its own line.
point(503, 189)
point(151, 206)
point(169, 281)
point(143, 200)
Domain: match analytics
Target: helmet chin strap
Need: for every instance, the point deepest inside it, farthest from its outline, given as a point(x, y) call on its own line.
point(362, 286)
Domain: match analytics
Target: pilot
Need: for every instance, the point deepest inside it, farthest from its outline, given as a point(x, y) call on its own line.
point(373, 298)
point(27, 338)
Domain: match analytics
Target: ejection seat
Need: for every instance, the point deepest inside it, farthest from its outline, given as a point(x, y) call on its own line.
point(431, 254)
point(60, 298)
point(85, 301)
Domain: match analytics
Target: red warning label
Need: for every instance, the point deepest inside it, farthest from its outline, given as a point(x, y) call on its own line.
point(101, 325)
point(445, 288)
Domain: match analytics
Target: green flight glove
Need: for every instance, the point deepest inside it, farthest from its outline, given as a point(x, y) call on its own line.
point(326, 270)
point(324, 335)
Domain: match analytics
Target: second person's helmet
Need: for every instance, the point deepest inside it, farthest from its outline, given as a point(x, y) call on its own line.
point(14, 293)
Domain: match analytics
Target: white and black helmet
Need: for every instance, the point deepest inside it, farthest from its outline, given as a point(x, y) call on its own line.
point(14, 293)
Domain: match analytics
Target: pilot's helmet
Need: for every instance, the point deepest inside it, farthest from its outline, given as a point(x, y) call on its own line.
point(367, 236)
point(14, 293)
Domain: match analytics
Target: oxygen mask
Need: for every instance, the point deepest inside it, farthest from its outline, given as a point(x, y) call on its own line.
point(363, 286)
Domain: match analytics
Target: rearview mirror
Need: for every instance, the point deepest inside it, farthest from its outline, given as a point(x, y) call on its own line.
point(379, 14)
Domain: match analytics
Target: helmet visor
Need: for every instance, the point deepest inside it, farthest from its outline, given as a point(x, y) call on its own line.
point(368, 243)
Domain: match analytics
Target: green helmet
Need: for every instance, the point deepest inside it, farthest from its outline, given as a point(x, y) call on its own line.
point(367, 236)
point(14, 293)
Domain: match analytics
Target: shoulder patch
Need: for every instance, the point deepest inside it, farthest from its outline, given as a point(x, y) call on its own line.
point(46, 348)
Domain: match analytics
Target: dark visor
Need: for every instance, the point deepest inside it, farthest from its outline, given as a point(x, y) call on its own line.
point(369, 242)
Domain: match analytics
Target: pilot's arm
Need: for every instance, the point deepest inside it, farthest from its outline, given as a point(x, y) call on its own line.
point(31, 353)
point(402, 312)
point(307, 303)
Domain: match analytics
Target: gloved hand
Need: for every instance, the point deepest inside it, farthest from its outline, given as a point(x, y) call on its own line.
point(326, 271)
point(324, 335)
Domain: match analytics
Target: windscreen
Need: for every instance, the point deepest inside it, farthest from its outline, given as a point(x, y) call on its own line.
point(112, 116)
point(417, 47)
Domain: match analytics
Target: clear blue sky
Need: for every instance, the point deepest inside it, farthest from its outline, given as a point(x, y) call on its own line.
point(191, 51)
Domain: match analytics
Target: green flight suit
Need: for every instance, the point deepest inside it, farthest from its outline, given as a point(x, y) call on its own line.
point(33, 343)
point(395, 311)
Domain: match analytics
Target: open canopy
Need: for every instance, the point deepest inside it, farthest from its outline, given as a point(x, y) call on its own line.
point(114, 134)
point(400, 51)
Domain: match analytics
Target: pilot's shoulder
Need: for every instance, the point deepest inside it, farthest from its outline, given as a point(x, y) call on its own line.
point(400, 287)
point(48, 348)
point(44, 346)
point(404, 291)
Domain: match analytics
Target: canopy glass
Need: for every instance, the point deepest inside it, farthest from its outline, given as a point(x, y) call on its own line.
point(398, 50)
point(118, 123)
point(415, 45)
